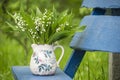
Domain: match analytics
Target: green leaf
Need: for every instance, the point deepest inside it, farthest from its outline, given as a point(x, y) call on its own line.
point(58, 36)
point(38, 12)
point(10, 14)
point(28, 19)
point(10, 25)
point(62, 18)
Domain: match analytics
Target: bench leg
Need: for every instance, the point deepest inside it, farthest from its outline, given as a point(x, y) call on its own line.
point(74, 62)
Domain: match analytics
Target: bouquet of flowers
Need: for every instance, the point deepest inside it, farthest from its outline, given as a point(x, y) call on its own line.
point(44, 27)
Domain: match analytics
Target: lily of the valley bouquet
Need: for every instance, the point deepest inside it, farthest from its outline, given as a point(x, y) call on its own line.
point(44, 27)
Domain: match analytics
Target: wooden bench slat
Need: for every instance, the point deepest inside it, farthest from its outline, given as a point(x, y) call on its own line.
point(24, 73)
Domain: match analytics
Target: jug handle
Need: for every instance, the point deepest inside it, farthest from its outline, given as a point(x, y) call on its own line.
point(61, 56)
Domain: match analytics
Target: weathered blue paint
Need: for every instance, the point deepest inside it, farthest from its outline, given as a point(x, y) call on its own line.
point(74, 62)
point(101, 3)
point(102, 33)
point(76, 40)
point(24, 73)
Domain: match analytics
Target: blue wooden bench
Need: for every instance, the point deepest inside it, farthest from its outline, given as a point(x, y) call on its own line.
point(87, 40)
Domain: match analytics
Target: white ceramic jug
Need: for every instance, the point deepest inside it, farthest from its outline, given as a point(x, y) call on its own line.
point(43, 60)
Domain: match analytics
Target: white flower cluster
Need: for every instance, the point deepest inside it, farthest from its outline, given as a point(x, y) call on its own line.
point(39, 25)
point(19, 21)
point(37, 22)
point(62, 26)
point(33, 33)
point(58, 29)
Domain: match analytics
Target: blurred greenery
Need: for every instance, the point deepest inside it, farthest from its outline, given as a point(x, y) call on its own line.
point(15, 49)
point(94, 66)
